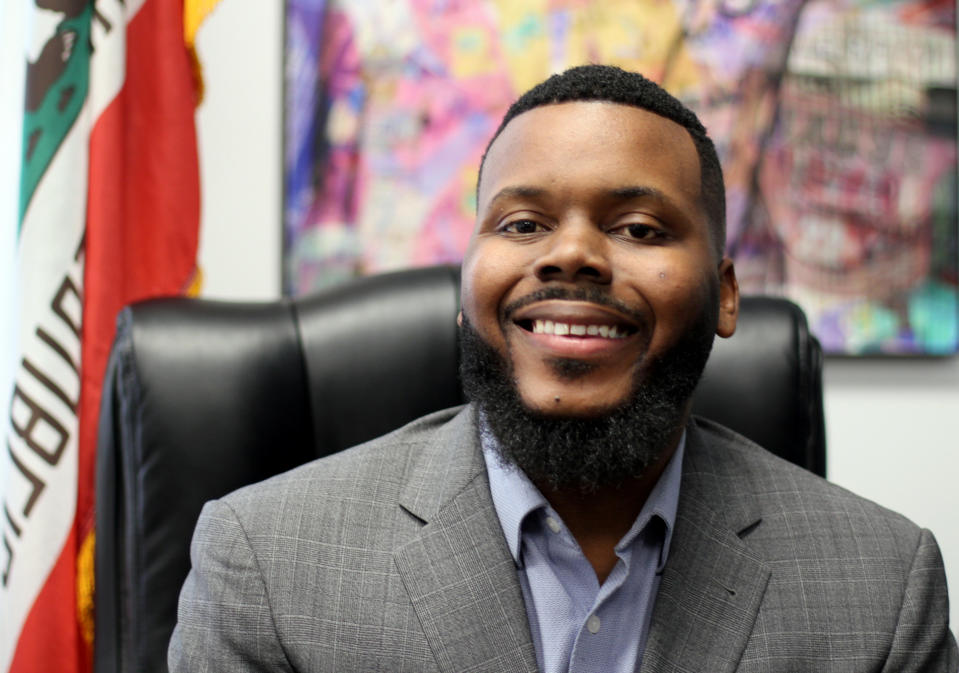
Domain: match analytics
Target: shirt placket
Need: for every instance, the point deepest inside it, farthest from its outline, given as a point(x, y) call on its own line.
point(593, 645)
point(596, 643)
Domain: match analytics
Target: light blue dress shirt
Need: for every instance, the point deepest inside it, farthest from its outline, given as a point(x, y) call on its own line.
point(578, 625)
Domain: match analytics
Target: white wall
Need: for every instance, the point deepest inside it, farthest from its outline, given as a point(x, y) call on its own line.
point(239, 127)
point(893, 426)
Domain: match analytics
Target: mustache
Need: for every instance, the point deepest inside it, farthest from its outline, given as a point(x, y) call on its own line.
point(592, 295)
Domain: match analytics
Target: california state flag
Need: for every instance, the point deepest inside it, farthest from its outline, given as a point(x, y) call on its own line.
point(109, 214)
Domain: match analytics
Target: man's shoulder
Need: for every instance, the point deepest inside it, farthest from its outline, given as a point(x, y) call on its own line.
point(377, 468)
point(848, 579)
point(753, 479)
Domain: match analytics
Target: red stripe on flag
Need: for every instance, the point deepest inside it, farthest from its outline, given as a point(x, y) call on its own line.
point(144, 203)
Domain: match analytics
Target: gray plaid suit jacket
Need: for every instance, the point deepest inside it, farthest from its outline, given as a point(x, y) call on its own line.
point(390, 557)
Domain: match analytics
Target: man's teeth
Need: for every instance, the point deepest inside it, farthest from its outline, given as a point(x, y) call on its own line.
point(563, 329)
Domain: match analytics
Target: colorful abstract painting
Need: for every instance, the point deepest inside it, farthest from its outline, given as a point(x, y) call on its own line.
point(835, 122)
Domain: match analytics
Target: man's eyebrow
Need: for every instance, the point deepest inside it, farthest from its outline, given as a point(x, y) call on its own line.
point(518, 192)
point(638, 192)
point(617, 193)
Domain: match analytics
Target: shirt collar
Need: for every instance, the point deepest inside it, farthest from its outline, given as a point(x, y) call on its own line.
point(662, 503)
point(515, 497)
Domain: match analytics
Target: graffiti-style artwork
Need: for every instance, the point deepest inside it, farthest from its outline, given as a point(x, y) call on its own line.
point(835, 123)
point(859, 176)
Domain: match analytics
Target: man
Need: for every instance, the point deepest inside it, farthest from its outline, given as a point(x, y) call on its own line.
point(573, 517)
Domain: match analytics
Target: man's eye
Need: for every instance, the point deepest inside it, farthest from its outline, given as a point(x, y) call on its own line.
point(522, 227)
point(642, 232)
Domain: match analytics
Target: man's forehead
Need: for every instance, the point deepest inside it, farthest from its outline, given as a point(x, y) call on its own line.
point(549, 130)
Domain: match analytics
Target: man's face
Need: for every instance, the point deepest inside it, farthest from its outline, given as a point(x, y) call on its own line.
point(592, 256)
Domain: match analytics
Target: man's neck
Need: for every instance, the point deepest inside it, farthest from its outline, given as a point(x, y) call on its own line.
point(599, 520)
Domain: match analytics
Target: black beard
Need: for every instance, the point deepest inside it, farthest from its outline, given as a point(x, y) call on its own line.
point(586, 454)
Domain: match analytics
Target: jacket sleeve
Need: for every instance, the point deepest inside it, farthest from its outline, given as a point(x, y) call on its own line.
point(923, 641)
point(224, 621)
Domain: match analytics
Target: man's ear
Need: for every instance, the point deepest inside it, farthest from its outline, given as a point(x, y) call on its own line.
point(459, 319)
point(728, 299)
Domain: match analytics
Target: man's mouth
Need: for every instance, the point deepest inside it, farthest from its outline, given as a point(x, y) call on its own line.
point(575, 320)
point(572, 329)
point(583, 313)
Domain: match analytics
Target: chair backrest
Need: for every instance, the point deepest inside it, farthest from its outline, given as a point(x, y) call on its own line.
point(203, 397)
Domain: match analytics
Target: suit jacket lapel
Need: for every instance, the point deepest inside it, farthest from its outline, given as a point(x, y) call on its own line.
point(458, 572)
point(464, 588)
point(712, 585)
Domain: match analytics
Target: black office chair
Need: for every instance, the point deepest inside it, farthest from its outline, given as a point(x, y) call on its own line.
point(202, 397)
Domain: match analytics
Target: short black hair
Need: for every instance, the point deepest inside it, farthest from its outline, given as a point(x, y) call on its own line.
point(615, 85)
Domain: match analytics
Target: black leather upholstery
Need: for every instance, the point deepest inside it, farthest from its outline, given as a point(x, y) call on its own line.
point(202, 397)
point(766, 382)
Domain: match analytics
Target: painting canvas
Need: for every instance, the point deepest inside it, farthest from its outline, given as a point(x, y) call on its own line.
point(835, 122)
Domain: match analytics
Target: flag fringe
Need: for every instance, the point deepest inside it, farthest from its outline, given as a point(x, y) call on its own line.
point(85, 587)
point(194, 13)
point(195, 283)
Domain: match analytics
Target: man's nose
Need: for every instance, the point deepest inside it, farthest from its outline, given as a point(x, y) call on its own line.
point(576, 251)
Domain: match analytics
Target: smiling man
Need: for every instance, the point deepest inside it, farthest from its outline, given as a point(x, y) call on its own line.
point(573, 516)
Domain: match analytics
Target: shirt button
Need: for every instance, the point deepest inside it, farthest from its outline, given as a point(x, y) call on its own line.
point(553, 524)
point(593, 624)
